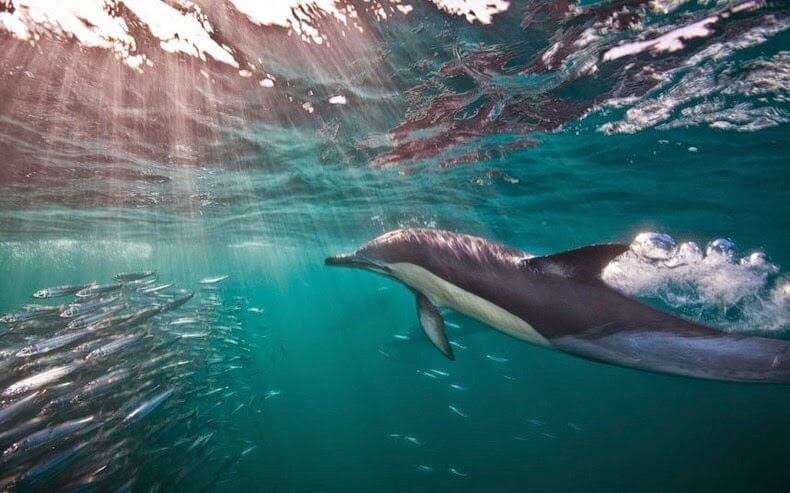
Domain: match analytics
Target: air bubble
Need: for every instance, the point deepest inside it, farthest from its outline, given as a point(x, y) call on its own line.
point(654, 246)
point(721, 247)
point(759, 261)
point(781, 293)
point(688, 253)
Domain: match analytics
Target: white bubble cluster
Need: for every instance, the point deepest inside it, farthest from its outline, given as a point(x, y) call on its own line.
point(714, 285)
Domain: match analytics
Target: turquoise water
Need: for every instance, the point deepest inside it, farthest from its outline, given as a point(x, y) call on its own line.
point(191, 168)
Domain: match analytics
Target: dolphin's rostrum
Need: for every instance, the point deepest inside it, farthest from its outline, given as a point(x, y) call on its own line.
point(559, 301)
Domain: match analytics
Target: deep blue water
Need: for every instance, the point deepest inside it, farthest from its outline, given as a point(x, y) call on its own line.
point(533, 130)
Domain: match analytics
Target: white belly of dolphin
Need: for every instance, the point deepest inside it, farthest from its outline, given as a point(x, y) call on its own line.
point(443, 293)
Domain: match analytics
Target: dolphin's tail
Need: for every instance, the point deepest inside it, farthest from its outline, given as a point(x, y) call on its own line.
point(724, 357)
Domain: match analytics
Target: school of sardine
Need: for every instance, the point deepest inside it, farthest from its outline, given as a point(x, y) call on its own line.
point(98, 385)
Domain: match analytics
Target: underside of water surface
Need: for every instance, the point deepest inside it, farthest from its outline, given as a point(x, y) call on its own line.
point(215, 152)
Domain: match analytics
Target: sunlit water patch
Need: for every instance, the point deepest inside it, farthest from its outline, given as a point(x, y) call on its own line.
point(145, 101)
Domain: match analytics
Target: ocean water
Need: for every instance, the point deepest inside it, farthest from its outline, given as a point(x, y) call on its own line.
point(247, 139)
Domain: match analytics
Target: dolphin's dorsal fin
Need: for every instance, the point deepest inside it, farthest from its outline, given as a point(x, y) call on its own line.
point(582, 263)
point(433, 325)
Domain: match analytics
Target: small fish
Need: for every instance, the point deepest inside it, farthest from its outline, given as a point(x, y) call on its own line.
point(412, 439)
point(132, 276)
point(439, 372)
point(458, 345)
point(457, 472)
point(402, 337)
point(184, 321)
point(212, 392)
point(248, 450)
point(272, 393)
point(535, 422)
point(427, 374)
point(176, 364)
point(88, 346)
point(394, 435)
point(50, 466)
point(424, 468)
point(30, 314)
point(200, 441)
point(497, 359)
point(385, 353)
point(100, 385)
point(142, 315)
point(77, 309)
point(12, 433)
point(253, 309)
point(148, 406)
point(57, 291)
point(40, 379)
point(113, 347)
point(458, 411)
point(52, 343)
point(42, 437)
point(194, 335)
point(452, 325)
point(178, 301)
point(12, 410)
point(154, 289)
point(97, 289)
point(458, 386)
point(90, 318)
point(214, 279)
point(153, 362)
point(140, 283)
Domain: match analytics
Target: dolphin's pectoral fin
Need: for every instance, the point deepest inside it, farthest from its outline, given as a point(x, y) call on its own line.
point(581, 263)
point(433, 325)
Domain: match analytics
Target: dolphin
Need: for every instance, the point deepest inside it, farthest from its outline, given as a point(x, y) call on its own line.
point(559, 301)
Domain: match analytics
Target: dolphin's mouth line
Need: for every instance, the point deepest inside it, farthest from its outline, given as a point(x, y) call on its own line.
point(358, 261)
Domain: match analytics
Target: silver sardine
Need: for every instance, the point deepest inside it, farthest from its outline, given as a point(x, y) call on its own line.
point(132, 276)
point(113, 347)
point(77, 309)
point(12, 410)
point(33, 312)
point(40, 379)
point(43, 437)
point(90, 318)
point(98, 289)
point(148, 406)
point(57, 291)
point(52, 343)
point(154, 289)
